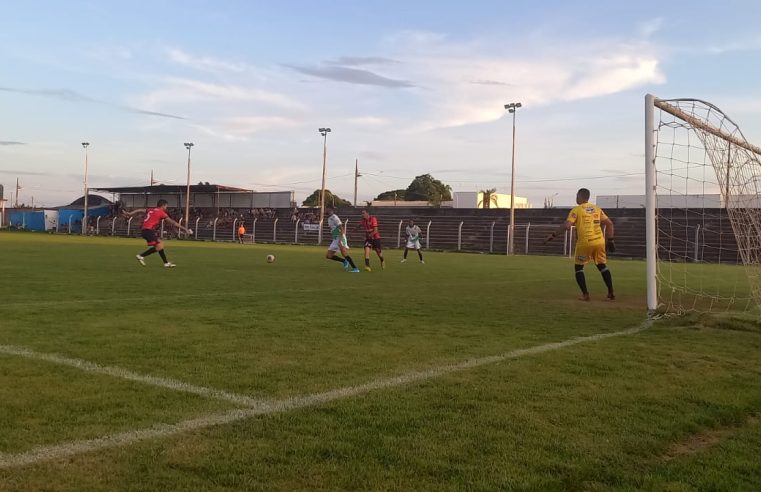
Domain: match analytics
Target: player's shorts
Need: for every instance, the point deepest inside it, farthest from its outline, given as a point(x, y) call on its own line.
point(593, 253)
point(336, 244)
point(150, 237)
point(413, 244)
point(373, 243)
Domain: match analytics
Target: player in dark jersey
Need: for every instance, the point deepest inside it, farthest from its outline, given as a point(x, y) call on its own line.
point(153, 218)
point(369, 223)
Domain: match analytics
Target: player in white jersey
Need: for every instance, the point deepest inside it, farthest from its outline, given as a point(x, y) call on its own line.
point(339, 243)
point(413, 240)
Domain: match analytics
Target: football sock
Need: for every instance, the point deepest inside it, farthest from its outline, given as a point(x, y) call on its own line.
point(606, 276)
point(336, 258)
point(420, 254)
point(405, 253)
point(351, 262)
point(163, 256)
point(367, 261)
point(148, 252)
point(580, 279)
point(381, 258)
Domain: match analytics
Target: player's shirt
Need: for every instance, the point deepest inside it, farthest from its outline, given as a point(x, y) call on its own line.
point(413, 233)
point(241, 230)
point(335, 226)
point(369, 224)
point(587, 218)
point(153, 218)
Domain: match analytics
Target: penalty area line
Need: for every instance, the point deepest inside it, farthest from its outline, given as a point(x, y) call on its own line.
point(73, 448)
point(121, 373)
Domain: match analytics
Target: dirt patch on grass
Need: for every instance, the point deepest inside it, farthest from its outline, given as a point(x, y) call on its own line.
point(707, 439)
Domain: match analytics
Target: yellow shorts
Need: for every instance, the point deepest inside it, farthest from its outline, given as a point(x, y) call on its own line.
point(592, 253)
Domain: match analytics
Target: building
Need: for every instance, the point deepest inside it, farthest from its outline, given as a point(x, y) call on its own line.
point(201, 196)
point(475, 199)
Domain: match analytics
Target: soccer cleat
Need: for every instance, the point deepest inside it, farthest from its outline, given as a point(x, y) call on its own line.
point(383, 265)
point(346, 265)
point(355, 270)
point(169, 264)
point(368, 269)
point(611, 296)
point(585, 298)
point(422, 262)
point(404, 260)
point(140, 259)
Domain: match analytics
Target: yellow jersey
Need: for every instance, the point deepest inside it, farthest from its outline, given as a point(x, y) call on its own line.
point(587, 218)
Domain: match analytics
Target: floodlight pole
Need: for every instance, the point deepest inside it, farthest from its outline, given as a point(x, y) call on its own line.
point(188, 145)
point(356, 177)
point(512, 108)
point(87, 192)
point(324, 132)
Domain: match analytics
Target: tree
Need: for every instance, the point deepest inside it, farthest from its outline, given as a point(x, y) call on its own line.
point(426, 187)
point(489, 198)
point(392, 195)
point(313, 200)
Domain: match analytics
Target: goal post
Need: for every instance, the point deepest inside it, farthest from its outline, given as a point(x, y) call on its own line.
point(703, 209)
point(650, 206)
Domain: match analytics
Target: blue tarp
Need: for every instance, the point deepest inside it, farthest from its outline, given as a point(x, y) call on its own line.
point(76, 214)
point(30, 220)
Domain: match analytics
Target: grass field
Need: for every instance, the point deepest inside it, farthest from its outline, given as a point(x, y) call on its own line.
point(228, 373)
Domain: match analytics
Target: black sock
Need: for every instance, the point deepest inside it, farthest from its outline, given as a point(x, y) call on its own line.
point(420, 254)
point(405, 253)
point(148, 252)
point(351, 262)
point(607, 277)
point(381, 258)
point(163, 256)
point(367, 261)
point(336, 258)
point(581, 279)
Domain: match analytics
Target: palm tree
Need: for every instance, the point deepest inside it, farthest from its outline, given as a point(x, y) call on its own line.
point(489, 198)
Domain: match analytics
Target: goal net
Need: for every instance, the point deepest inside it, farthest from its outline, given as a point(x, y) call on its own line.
point(703, 209)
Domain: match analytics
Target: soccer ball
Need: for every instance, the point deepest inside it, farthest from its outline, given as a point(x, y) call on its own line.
point(270, 258)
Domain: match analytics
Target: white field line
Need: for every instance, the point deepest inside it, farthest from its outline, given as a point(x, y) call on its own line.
point(118, 372)
point(73, 448)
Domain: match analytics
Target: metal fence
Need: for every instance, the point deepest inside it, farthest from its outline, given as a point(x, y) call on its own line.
point(445, 234)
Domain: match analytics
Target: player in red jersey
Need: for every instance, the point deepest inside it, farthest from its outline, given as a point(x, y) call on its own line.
point(369, 223)
point(153, 218)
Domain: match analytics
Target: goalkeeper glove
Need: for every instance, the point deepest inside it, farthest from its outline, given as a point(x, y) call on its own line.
point(610, 245)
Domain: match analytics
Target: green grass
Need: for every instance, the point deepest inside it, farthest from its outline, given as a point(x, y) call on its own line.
point(619, 413)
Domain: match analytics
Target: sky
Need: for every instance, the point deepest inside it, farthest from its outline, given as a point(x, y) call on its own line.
point(407, 87)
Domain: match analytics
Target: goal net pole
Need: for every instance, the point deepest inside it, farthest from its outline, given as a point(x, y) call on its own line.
point(709, 210)
point(650, 205)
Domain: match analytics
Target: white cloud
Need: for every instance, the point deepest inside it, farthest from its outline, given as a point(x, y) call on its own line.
point(203, 62)
point(367, 121)
point(177, 90)
point(562, 72)
point(650, 27)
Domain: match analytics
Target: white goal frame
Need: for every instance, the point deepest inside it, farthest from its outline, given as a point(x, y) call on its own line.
point(748, 251)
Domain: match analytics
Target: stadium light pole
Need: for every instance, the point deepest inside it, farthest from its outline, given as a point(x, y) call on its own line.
point(324, 132)
point(87, 192)
point(188, 145)
point(512, 108)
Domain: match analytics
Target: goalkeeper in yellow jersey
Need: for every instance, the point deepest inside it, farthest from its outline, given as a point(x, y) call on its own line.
point(591, 243)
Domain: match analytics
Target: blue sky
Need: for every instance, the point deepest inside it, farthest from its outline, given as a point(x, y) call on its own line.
point(408, 87)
